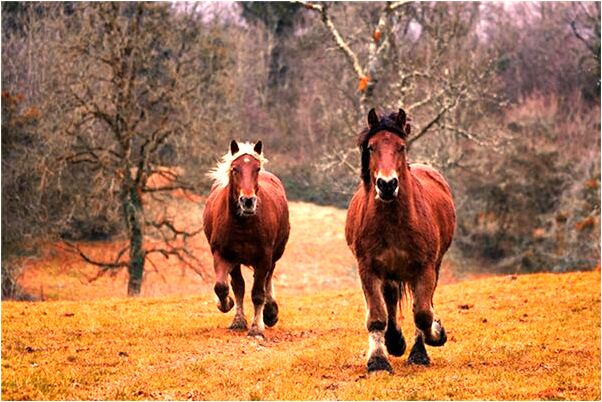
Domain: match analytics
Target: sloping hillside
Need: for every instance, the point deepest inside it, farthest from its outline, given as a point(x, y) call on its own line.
point(525, 337)
point(316, 257)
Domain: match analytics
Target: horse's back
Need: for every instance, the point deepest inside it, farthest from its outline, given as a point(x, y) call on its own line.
point(275, 204)
point(270, 181)
point(272, 192)
point(429, 176)
point(437, 192)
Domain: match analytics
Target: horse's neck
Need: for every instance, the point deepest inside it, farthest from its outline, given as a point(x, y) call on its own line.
point(229, 204)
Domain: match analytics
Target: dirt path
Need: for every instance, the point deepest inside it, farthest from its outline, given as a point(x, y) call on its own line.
point(316, 259)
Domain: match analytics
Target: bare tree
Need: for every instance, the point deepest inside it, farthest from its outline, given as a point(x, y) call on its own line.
point(28, 213)
point(408, 61)
point(432, 59)
point(368, 72)
point(129, 92)
point(585, 24)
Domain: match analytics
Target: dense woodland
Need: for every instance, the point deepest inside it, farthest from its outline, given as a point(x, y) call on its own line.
point(100, 99)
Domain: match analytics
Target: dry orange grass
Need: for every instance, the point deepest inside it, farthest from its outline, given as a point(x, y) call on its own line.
point(531, 337)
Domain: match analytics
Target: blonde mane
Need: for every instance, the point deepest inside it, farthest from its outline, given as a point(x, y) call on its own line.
point(221, 173)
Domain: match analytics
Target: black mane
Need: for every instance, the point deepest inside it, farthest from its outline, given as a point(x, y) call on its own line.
point(387, 122)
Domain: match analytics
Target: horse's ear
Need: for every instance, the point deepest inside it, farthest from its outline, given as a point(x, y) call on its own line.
point(258, 147)
point(401, 119)
point(233, 147)
point(408, 129)
point(372, 118)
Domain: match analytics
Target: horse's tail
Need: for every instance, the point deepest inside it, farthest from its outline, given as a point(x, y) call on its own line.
point(405, 295)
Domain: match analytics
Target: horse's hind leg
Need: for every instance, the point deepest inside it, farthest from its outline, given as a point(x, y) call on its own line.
point(431, 331)
point(394, 340)
point(270, 310)
point(238, 287)
point(221, 288)
point(377, 320)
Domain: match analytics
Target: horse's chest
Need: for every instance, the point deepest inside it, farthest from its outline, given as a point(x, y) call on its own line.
point(242, 245)
point(392, 258)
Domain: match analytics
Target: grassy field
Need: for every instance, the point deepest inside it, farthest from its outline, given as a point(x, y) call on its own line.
point(521, 337)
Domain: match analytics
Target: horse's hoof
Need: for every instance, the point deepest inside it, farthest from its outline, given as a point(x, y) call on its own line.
point(419, 359)
point(437, 342)
point(226, 306)
point(255, 332)
point(379, 363)
point(270, 314)
point(239, 324)
point(394, 341)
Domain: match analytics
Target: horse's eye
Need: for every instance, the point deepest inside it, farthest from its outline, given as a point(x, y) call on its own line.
point(370, 148)
point(402, 148)
point(234, 171)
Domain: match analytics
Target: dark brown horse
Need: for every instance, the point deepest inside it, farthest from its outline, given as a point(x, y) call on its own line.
point(246, 222)
point(400, 222)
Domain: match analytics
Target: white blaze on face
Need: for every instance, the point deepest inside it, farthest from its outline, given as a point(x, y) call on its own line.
point(247, 194)
point(251, 193)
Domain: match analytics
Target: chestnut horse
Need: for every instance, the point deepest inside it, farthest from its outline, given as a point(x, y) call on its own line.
point(246, 222)
point(400, 222)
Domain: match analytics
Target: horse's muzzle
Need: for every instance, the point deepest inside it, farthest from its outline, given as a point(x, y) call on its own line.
point(248, 205)
point(387, 190)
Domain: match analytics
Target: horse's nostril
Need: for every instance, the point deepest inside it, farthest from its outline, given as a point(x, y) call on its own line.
point(387, 187)
point(247, 202)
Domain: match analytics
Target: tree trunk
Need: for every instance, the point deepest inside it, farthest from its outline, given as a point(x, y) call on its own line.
point(133, 214)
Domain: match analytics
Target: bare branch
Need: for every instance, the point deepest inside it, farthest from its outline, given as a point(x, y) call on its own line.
point(182, 254)
point(105, 265)
point(170, 225)
point(167, 188)
point(435, 119)
point(591, 48)
point(462, 133)
point(352, 58)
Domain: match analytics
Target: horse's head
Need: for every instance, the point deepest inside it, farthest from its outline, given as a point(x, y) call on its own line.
point(244, 176)
point(383, 148)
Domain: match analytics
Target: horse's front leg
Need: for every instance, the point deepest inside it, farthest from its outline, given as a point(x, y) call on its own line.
point(222, 269)
point(258, 292)
point(377, 319)
point(238, 287)
point(429, 329)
